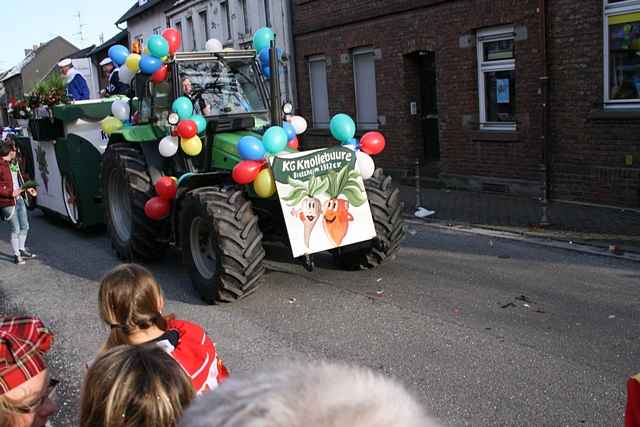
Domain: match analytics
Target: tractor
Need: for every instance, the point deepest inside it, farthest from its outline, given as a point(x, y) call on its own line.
point(218, 226)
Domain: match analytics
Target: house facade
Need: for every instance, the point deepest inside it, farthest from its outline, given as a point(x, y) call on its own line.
point(534, 97)
point(144, 19)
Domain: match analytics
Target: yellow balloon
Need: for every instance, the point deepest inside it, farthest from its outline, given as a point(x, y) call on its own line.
point(165, 59)
point(146, 51)
point(133, 62)
point(110, 124)
point(265, 185)
point(191, 146)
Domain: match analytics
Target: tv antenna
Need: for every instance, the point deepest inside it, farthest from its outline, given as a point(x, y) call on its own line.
point(80, 33)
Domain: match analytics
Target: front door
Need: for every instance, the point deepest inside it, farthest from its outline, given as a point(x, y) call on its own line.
point(429, 105)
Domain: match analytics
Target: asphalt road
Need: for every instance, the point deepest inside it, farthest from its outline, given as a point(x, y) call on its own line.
point(484, 331)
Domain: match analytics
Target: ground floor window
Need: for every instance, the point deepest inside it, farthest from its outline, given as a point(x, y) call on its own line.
point(319, 93)
point(364, 76)
point(497, 79)
point(622, 53)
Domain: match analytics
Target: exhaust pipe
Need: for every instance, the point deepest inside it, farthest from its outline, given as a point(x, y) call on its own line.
point(276, 99)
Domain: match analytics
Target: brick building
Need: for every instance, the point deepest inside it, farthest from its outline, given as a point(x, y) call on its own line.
point(461, 85)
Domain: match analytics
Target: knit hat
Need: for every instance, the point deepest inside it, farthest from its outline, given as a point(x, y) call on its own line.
point(23, 342)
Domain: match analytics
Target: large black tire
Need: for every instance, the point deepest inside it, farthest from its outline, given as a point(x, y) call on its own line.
point(221, 244)
point(386, 209)
point(127, 187)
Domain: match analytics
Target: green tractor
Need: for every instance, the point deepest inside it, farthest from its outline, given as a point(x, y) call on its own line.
point(219, 226)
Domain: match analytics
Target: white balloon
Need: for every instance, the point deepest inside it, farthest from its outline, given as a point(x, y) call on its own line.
point(299, 124)
point(168, 146)
point(121, 110)
point(125, 74)
point(365, 164)
point(213, 45)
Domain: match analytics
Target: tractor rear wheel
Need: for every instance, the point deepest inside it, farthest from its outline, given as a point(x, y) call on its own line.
point(386, 209)
point(127, 187)
point(221, 244)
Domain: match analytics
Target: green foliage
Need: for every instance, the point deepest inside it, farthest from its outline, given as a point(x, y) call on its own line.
point(346, 182)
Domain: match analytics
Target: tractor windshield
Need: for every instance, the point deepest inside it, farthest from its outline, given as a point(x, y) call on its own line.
point(220, 88)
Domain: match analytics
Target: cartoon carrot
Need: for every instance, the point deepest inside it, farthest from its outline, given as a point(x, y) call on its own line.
point(336, 211)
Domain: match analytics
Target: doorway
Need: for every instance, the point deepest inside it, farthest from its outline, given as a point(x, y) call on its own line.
point(428, 106)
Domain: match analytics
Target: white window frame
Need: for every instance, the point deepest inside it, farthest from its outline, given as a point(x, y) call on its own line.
point(613, 9)
point(310, 60)
point(491, 35)
point(225, 20)
point(354, 53)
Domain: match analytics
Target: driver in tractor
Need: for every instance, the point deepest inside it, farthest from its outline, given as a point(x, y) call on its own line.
point(200, 106)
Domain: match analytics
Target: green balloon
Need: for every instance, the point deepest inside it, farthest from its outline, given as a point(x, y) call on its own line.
point(263, 38)
point(342, 127)
point(158, 46)
point(200, 121)
point(183, 107)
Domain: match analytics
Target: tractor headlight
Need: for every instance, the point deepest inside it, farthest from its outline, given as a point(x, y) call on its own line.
point(173, 119)
point(287, 108)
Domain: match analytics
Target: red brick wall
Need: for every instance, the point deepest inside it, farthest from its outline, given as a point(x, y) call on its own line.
point(588, 153)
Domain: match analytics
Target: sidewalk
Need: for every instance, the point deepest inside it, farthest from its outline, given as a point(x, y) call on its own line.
point(591, 225)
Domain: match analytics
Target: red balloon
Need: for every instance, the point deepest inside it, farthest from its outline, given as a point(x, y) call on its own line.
point(372, 143)
point(166, 188)
point(246, 171)
point(173, 38)
point(160, 75)
point(157, 208)
point(187, 129)
point(294, 144)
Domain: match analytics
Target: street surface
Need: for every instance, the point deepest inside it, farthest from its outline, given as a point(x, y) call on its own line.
point(485, 332)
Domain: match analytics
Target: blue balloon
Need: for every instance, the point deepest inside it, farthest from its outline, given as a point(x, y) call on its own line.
point(290, 130)
point(264, 55)
point(149, 64)
point(200, 121)
point(263, 38)
point(251, 148)
point(342, 127)
point(183, 107)
point(275, 139)
point(118, 54)
point(354, 142)
point(266, 71)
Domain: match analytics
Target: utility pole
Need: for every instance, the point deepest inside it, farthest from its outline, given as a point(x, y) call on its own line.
point(101, 38)
point(80, 33)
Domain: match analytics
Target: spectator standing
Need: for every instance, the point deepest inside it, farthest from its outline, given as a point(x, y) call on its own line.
point(131, 304)
point(13, 208)
point(25, 385)
point(134, 386)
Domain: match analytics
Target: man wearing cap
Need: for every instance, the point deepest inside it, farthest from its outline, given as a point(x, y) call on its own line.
point(112, 74)
point(77, 88)
point(25, 385)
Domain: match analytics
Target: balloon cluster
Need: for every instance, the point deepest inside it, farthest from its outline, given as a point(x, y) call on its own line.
point(159, 207)
point(343, 128)
point(261, 43)
point(121, 112)
point(153, 62)
point(188, 130)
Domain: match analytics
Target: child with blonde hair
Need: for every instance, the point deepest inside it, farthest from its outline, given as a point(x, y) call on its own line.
point(131, 304)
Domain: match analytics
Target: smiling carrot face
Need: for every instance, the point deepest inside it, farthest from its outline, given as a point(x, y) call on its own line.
point(336, 219)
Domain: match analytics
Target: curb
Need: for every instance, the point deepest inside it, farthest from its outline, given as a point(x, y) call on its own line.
point(548, 242)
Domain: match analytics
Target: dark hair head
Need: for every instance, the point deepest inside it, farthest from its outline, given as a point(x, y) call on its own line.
point(6, 147)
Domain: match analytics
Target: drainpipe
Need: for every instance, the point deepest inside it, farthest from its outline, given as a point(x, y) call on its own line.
point(546, 142)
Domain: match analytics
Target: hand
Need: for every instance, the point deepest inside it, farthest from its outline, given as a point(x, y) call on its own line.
point(17, 192)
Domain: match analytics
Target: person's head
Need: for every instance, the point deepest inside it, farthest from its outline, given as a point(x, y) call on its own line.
point(308, 395)
point(64, 66)
point(130, 300)
point(134, 386)
point(25, 385)
point(7, 150)
point(107, 66)
point(187, 87)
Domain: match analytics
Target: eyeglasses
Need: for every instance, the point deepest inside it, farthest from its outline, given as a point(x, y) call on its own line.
point(33, 407)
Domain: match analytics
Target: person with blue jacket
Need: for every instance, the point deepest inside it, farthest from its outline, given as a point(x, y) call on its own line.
point(77, 88)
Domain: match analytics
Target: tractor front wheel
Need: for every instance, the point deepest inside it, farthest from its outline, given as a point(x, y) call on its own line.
point(221, 244)
point(386, 209)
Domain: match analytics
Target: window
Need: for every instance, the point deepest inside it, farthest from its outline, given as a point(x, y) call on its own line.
point(157, 30)
point(226, 20)
point(267, 13)
point(204, 21)
point(496, 79)
point(178, 27)
point(622, 53)
point(245, 16)
point(364, 77)
point(319, 93)
point(191, 33)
